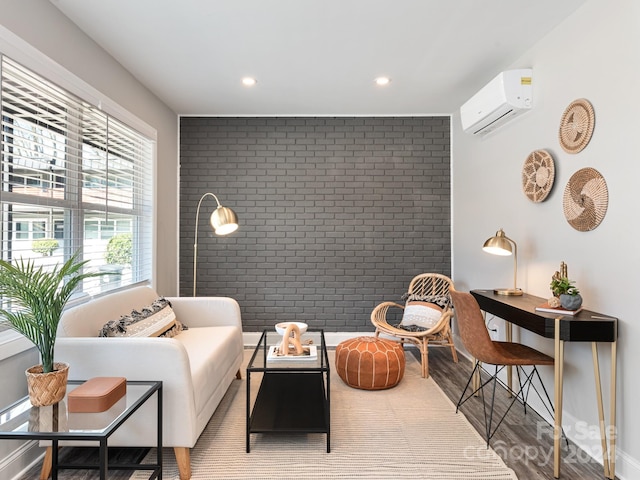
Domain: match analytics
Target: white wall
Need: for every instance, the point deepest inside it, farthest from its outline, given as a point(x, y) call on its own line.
point(594, 54)
point(41, 25)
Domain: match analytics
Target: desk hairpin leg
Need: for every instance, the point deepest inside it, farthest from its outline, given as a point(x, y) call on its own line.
point(607, 435)
point(558, 381)
point(612, 408)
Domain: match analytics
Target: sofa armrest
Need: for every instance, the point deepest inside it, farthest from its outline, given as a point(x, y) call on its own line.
point(206, 311)
point(153, 359)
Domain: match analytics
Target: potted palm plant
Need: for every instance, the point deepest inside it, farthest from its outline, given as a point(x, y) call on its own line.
point(33, 298)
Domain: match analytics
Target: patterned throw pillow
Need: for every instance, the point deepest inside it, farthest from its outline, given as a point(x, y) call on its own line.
point(420, 315)
point(155, 320)
point(443, 301)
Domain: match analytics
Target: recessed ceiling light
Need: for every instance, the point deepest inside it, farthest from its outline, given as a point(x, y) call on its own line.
point(249, 81)
point(382, 81)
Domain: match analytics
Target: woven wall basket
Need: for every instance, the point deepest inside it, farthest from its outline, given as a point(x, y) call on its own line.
point(47, 388)
point(576, 126)
point(538, 173)
point(585, 199)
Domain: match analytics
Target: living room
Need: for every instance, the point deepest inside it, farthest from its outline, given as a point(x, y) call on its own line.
point(590, 54)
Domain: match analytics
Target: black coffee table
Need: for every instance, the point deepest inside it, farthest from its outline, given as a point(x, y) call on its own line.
point(294, 394)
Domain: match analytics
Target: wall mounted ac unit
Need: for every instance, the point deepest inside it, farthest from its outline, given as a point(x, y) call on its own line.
point(498, 102)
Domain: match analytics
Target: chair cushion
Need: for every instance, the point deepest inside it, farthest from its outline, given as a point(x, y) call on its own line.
point(421, 314)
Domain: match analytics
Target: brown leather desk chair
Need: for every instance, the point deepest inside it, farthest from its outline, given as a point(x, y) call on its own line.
point(478, 343)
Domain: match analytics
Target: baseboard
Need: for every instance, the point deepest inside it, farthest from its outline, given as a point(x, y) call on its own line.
point(21, 460)
point(627, 467)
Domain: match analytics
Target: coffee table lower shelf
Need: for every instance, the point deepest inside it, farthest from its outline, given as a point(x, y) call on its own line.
point(290, 403)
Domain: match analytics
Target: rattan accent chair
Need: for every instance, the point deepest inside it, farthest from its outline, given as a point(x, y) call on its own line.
point(476, 339)
point(423, 286)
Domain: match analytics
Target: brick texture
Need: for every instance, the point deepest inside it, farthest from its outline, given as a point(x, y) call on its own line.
point(336, 214)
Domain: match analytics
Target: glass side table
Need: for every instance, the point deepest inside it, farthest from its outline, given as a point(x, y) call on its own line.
point(55, 423)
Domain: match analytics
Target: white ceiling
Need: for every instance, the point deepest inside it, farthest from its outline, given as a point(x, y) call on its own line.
point(316, 57)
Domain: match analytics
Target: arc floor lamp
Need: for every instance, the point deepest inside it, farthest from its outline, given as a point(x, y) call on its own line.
point(223, 221)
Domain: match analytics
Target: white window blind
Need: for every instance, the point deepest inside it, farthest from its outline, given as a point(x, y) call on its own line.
point(73, 179)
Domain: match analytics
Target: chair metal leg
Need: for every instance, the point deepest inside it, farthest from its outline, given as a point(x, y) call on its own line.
point(493, 401)
point(471, 377)
point(525, 385)
point(524, 400)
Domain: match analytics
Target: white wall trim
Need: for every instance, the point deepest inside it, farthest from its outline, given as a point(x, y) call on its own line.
point(13, 462)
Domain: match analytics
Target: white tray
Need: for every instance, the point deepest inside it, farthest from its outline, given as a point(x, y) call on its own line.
point(312, 354)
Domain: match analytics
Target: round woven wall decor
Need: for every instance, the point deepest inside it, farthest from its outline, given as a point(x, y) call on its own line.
point(538, 173)
point(576, 126)
point(585, 199)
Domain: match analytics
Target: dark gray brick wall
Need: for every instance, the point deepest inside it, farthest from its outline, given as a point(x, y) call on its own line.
point(336, 214)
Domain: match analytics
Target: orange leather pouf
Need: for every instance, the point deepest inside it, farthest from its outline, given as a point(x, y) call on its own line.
point(370, 363)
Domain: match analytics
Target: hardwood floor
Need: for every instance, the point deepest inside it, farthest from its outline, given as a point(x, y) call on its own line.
point(517, 441)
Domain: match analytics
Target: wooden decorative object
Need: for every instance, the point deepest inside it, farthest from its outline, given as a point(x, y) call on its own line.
point(291, 336)
point(585, 199)
point(538, 174)
point(576, 126)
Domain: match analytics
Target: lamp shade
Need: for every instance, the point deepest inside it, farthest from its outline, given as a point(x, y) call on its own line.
point(498, 245)
point(224, 220)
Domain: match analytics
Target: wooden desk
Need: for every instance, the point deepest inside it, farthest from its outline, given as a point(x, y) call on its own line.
point(586, 326)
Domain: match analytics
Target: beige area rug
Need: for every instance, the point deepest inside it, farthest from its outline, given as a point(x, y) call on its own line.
point(407, 432)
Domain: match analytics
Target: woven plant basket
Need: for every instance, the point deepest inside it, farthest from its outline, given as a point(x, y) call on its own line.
point(47, 388)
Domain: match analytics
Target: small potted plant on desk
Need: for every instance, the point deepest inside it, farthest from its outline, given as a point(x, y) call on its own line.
point(33, 298)
point(566, 292)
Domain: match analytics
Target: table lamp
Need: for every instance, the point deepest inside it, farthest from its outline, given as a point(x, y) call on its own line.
point(223, 221)
point(500, 244)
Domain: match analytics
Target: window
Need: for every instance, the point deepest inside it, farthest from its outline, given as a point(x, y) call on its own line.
point(72, 177)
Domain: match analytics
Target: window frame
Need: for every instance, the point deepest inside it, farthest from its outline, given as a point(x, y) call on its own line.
point(30, 58)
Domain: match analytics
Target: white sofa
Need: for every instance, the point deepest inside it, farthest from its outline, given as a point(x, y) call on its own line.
point(196, 367)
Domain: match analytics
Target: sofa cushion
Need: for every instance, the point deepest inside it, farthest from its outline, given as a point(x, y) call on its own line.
point(155, 320)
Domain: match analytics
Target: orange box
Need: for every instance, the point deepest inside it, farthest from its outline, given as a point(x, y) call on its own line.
point(97, 394)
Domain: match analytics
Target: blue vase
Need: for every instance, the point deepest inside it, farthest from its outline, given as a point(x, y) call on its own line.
point(571, 302)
